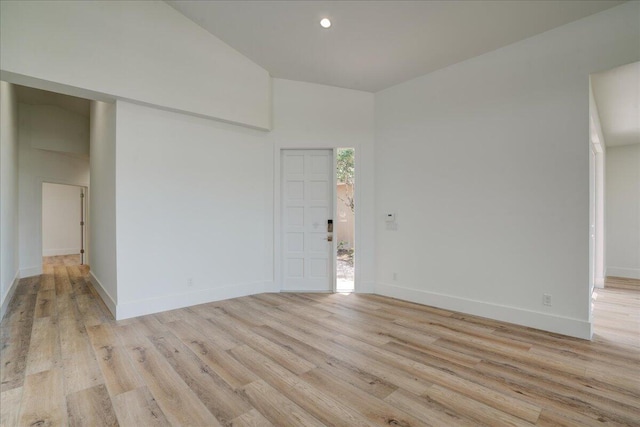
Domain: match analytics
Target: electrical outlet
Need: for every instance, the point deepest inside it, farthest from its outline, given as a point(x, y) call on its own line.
point(395, 276)
point(546, 299)
point(190, 281)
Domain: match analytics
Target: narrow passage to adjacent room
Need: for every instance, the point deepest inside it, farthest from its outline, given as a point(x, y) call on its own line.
point(63, 224)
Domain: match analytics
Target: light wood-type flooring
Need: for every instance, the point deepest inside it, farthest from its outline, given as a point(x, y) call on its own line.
point(67, 260)
point(307, 360)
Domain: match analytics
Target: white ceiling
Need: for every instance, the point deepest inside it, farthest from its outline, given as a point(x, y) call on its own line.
point(617, 95)
point(375, 44)
point(28, 95)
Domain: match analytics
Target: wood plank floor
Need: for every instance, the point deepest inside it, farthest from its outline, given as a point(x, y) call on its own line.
point(307, 360)
point(67, 260)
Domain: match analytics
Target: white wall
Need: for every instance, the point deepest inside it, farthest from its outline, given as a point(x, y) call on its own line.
point(9, 265)
point(195, 197)
point(623, 211)
point(102, 202)
point(54, 128)
point(37, 166)
point(597, 192)
point(190, 204)
point(486, 164)
point(144, 51)
point(307, 115)
point(61, 217)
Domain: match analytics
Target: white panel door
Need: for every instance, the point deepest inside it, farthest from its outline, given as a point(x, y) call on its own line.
point(307, 205)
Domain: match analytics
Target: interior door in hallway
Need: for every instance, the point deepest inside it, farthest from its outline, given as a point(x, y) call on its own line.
point(307, 209)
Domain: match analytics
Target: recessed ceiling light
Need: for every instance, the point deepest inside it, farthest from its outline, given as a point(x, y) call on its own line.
point(325, 22)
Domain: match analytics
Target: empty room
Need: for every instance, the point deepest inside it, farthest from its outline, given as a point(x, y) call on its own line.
point(308, 213)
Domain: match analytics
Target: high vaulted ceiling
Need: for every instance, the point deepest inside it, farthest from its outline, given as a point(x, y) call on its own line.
point(29, 95)
point(375, 44)
point(617, 95)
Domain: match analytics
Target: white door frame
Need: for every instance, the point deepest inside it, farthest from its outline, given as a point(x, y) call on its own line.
point(597, 254)
point(277, 214)
point(85, 186)
point(592, 220)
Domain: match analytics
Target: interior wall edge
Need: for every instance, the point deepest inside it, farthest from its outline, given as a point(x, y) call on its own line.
point(6, 298)
point(31, 271)
point(104, 294)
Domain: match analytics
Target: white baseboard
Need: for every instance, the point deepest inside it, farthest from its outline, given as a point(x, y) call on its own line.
point(106, 297)
point(31, 271)
point(6, 298)
point(63, 251)
point(599, 282)
point(271, 287)
point(169, 302)
point(533, 319)
point(629, 273)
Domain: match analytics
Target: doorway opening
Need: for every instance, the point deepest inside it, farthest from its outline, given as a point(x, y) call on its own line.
point(345, 220)
point(614, 178)
point(64, 235)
